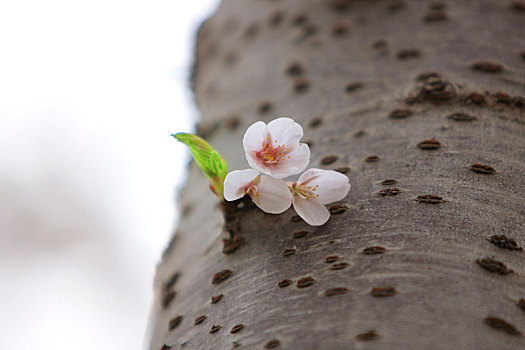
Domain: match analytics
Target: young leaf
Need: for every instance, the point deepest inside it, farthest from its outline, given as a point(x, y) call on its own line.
point(211, 163)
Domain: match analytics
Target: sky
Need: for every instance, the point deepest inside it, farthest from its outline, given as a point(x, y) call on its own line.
point(89, 93)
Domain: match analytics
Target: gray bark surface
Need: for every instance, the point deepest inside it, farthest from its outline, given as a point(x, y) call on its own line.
point(427, 95)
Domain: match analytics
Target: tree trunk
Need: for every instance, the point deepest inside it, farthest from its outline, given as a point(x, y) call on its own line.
point(420, 104)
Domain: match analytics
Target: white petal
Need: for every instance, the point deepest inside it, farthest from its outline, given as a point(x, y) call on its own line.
point(274, 195)
point(308, 174)
point(254, 137)
point(285, 131)
point(252, 142)
point(255, 163)
point(314, 214)
point(236, 181)
point(331, 186)
point(298, 161)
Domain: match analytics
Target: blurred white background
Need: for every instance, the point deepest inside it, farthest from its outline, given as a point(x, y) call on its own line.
point(89, 93)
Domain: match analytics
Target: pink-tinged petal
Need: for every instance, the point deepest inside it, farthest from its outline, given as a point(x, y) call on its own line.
point(297, 160)
point(285, 131)
point(314, 214)
point(309, 174)
point(256, 164)
point(328, 186)
point(254, 137)
point(236, 182)
point(253, 142)
point(273, 195)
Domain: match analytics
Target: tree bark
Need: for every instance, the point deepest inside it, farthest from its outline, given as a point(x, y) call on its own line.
point(420, 104)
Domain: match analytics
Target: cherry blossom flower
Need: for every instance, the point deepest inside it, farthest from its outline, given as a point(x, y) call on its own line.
point(274, 149)
point(274, 152)
point(314, 189)
point(270, 195)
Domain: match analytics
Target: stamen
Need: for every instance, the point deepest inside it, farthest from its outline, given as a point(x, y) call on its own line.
point(306, 192)
point(252, 191)
point(271, 155)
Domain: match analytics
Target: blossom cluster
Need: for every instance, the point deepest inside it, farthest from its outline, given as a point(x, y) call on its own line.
point(274, 152)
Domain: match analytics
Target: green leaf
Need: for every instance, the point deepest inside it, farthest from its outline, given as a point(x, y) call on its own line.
point(219, 167)
point(218, 164)
point(211, 163)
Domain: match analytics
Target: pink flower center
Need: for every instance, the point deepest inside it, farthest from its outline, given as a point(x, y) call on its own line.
point(251, 190)
point(272, 154)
